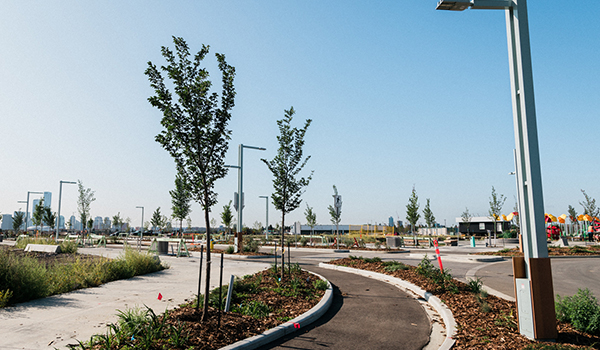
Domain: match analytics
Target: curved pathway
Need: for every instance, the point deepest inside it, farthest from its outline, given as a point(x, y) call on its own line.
point(365, 314)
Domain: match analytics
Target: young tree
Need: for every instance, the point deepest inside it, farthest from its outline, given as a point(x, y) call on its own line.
point(156, 220)
point(257, 226)
point(38, 214)
point(117, 221)
point(90, 224)
point(428, 215)
point(311, 220)
point(496, 204)
point(589, 205)
point(227, 217)
point(336, 214)
point(180, 200)
point(466, 219)
point(195, 128)
point(285, 167)
point(412, 209)
point(573, 217)
point(18, 219)
point(49, 217)
point(84, 201)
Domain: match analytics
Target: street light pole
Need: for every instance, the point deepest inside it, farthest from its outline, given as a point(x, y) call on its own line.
point(59, 200)
point(532, 273)
point(267, 219)
point(141, 229)
point(240, 180)
point(27, 210)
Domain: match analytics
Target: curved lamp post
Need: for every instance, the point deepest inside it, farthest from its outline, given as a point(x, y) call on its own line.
point(59, 200)
point(532, 273)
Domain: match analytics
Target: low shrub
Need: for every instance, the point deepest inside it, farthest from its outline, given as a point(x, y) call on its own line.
point(581, 310)
point(320, 284)
point(391, 266)
point(230, 249)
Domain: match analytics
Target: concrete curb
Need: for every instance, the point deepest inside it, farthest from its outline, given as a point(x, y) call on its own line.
point(289, 327)
point(434, 301)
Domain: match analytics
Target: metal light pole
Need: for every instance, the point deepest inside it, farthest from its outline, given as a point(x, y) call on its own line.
point(27, 210)
point(240, 168)
point(533, 275)
point(240, 180)
point(59, 200)
point(267, 219)
point(141, 229)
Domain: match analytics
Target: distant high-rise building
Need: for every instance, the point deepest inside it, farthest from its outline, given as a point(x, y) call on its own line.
point(98, 223)
point(391, 221)
point(61, 223)
point(6, 222)
point(48, 199)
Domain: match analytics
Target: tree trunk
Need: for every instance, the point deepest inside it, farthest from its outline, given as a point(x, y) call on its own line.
point(282, 244)
point(207, 283)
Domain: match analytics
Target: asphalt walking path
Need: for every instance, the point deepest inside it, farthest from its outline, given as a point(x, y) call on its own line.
point(365, 314)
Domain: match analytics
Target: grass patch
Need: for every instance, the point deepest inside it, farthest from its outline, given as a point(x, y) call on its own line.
point(24, 277)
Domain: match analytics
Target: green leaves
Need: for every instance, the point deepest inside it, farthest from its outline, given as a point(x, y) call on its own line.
point(412, 209)
point(195, 125)
point(288, 163)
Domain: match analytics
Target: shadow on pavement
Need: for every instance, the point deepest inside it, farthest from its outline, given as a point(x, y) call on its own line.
point(336, 305)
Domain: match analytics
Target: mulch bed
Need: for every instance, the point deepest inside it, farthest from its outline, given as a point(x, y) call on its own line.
point(552, 251)
point(235, 327)
point(495, 329)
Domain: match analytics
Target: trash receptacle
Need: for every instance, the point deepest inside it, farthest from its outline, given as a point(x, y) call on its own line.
point(163, 247)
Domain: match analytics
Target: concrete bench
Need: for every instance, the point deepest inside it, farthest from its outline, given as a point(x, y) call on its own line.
point(44, 248)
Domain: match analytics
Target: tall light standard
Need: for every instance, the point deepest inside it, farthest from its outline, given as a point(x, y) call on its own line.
point(27, 210)
point(141, 228)
point(267, 219)
point(59, 200)
point(532, 273)
point(240, 168)
point(240, 196)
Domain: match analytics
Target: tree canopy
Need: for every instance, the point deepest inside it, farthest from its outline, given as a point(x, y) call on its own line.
point(286, 166)
point(412, 209)
point(195, 126)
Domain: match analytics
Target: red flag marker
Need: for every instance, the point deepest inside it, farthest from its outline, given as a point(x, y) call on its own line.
point(159, 296)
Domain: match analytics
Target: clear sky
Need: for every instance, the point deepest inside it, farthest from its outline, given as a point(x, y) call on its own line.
point(400, 95)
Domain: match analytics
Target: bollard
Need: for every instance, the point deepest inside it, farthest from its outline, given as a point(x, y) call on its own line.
point(473, 241)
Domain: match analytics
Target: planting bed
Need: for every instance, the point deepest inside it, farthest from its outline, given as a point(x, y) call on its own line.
point(27, 276)
point(483, 321)
point(260, 302)
point(552, 251)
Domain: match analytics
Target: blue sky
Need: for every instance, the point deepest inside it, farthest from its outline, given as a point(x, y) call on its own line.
point(400, 95)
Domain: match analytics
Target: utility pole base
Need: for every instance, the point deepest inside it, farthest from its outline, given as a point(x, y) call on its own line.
point(542, 298)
